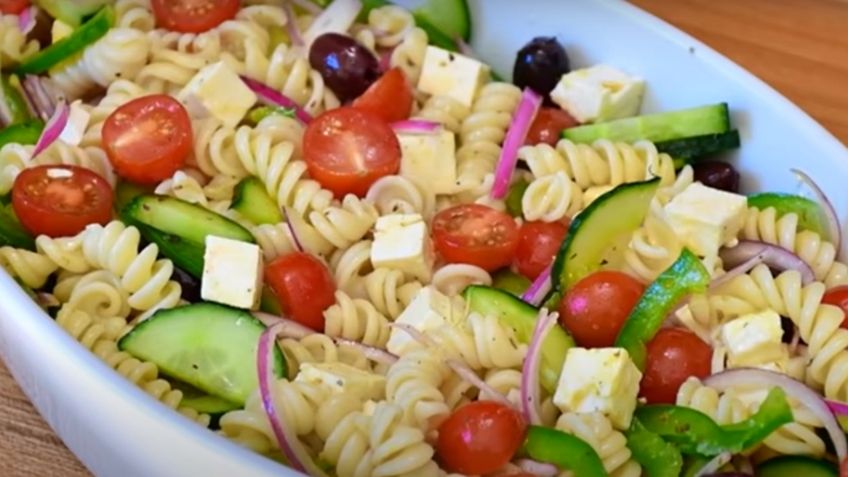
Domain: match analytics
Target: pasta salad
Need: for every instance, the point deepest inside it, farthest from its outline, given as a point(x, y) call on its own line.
point(329, 232)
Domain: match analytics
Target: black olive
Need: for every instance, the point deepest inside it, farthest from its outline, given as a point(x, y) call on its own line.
point(347, 67)
point(719, 175)
point(540, 64)
point(189, 284)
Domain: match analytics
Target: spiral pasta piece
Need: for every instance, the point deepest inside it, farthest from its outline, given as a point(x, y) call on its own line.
point(14, 158)
point(413, 383)
point(350, 266)
point(356, 319)
point(507, 382)
point(551, 198)
point(611, 445)
point(98, 293)
point(389, 291)
point(451, 279)
point(14, 45)
point(92, 158)
point(409, 54)
point(320, 348)
point(703, 314)
point(31, 268)
point(486, 344)
point(345, 224)
point(399, 195)
point(135, 14)
point(653, 247)
point(445, 110)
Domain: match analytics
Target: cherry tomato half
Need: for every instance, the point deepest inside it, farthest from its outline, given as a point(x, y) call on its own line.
point(193, 16)
point(13, 7)
point(148, 139)
point(390, 97)
point(548, 125)
point(479, 437)
point(475, 234)
point(304, 286)
point(843, 468)
point(595, 309)
point(348, 149)
point(838, 296)
point(537, 247)
point(673, 356)
point(61, 200)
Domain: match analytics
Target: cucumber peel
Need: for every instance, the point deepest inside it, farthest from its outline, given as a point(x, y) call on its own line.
point(251, 199)
point(810, 214)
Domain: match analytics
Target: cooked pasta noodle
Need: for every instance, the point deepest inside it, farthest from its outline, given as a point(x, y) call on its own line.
point(653, 247)
point(445, 110)
point(610, 444)
point(14, 158)
point(551, 198)
point(356, 319)
point(399, 195)
point(98, 293)
point(413, 383)
point(320, 348)
point(389, 291)
point(31, 268)
point(91, 158)
point(408, 55)
point(14, 45)
point(453, 278)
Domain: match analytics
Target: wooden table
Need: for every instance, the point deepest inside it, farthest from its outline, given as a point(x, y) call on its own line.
point(798, 46)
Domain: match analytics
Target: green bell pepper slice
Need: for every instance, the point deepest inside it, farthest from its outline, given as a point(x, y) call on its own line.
point(22, 133)
point(259, 113)
point(565, 451)
point(685, 276)
point(658, 457)
point(12, 233)
point(696, 433)
point(90, 31)
point(14, 100)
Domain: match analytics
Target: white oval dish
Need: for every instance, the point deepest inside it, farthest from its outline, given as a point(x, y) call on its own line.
point(116, 429)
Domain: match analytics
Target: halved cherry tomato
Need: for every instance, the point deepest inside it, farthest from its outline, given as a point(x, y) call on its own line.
point(193, 16)
point(838, 296)
point(674, 355)
point(480, 437)
point(304, 286)
point(348, 149)
point(390, 97)
point(13, 7)
point(843, 468)
point(537, 247)
point(548, 125)
point(595, 309)
point(148, 139)
point(475, 234)
point(61, 200)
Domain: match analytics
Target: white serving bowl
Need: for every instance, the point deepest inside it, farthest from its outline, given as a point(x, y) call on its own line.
point(117, 430)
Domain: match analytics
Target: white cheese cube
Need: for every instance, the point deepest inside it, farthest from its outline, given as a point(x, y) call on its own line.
point(343, 378)
point(705, 219)
point(232, 272)
point(601, 380)
point(429, 160)
point(599, 93)
point(401, 242)
point(754, 339)
point(429, 310)
point(77, 123)
point(216, 90)
point(447, 73)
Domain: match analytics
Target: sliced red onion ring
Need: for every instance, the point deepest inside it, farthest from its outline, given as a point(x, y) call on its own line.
point(308, 6)
point(834, 228)
point(413, 333)
point(269, 95)
point(26, 20)
point(525, 113)
point(287, 327)
point(290, 215)
point(5, 112)
point(38, 98)
point(415, 126)
point(54, 127)
point(741, 377)
point(291, 25)
point(374, 354)
point(837, 407)
point(530, 402)
point(714, 464)
point(296, 455)
point(386, 59)
point(541, 469)
point(774, 256)
point(539, 288)
point(468, 375)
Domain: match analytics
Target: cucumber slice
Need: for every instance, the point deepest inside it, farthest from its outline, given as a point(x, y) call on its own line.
point(72, 12)
point(451, 17)
point(691, 148)
point(125, 192)
point(521, 317)
point(796, 466)
point(510, 282)
point(514, 197)
point(209, 346)
point(251, 200)
point(618, 212)
point(185, 255)
point(810, 215)
point(12, 233)
point(704, 120)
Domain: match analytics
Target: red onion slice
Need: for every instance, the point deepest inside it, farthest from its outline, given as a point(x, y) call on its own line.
point(415, 126)
point(288, 328)
point(774, 256)
point(291, 25)
point(525, 113)
point(834, 229)
point(530, 402)
point(837, 407)
point(54, 127)
point(747, 377)
point(539, 288)
point(714, 464)
point(374, 354)
point(26, 20)
point(269, 95)
point(541, 469)
point(413, 332)
point(38, 98)
point(386, 59)
point(468, 375)
point(290, 215)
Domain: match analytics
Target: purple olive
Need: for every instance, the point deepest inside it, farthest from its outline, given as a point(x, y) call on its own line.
point(540, 64)
point(719, 175)
point(347, 67)
point(189, 284)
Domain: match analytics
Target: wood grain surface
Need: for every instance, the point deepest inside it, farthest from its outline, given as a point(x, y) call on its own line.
point(798, 46)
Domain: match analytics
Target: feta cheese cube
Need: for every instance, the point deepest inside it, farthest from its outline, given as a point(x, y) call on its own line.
point(450, 74)
point(705, 219)
point(232, 272)
point(401, 242)
point(601, 380)
point(429, 310)
point(216, 90)
point(343, 378)
point(77, 123)
point(599, 93)
point(754, 339)
point(429, 160)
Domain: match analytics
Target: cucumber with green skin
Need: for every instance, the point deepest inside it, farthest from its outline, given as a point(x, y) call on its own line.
point(443, 20)
point(810, 214)
point(796, 466)
point(251, 200)
point(510, 282)
point(72, 12)
point(689, 149)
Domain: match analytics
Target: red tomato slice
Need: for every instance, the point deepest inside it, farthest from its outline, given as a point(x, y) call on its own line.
point(348, 149)
point(595, 309)
point(193, 16)
point(476, 234)
point(674, 355)
point(539, 244)
point(838, 296)
point(304, 286)
point(13, 7)
point(548, 125)
point(148, 139)
point(61, 200)
point(390, 97)
point(479, 438)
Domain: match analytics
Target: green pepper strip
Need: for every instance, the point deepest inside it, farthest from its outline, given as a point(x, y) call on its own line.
point(658, 457)
point(14, 100)
point(22, 133)
point(259, 113)
point(564, 451)
point(685, 276)
point(696, 433)
point(12, 233)
point(88, 33)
